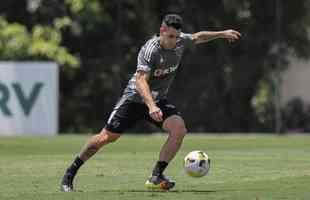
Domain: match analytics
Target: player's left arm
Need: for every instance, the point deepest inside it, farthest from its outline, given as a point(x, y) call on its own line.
point(206, 36)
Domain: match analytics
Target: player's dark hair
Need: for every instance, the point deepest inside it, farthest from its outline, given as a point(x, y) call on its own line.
point(173, 20)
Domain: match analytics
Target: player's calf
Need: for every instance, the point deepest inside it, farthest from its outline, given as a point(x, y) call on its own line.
point(96, 142)
point(91, 147)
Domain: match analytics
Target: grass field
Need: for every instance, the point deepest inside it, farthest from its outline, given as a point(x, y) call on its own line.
point(257, 167)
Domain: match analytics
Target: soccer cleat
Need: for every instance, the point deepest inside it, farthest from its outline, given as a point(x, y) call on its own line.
point(159, 183)
point(67, 183)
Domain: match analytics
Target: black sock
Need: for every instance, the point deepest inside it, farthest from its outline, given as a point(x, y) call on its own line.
point(159, 168)
point(74, 167)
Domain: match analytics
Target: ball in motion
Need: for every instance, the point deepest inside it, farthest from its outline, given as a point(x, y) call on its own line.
point(197, 163)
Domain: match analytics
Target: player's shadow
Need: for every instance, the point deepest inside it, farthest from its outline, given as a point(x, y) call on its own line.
point(159, 191)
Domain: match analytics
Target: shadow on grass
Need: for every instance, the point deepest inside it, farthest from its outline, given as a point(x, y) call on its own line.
point(156, 191)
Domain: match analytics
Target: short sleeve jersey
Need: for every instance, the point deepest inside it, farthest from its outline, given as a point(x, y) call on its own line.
point(162, 64)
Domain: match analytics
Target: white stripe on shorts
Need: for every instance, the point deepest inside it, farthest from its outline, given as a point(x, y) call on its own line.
point(116, 108)
point(111, 116)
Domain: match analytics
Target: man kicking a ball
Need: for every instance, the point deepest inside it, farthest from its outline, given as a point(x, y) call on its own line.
point(145, 98)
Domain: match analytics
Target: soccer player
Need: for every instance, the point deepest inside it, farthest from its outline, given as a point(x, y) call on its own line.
point(145, 98)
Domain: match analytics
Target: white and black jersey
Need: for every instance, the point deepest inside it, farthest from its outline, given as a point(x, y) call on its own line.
point(162, 65)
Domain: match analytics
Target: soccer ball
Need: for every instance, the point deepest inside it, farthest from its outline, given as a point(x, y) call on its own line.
point(197, 164)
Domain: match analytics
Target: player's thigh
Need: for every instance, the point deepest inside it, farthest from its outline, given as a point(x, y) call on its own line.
point(172, 119)
point(124, 115)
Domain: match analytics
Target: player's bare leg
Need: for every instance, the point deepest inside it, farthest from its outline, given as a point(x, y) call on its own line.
point(176, 128)
point(95, 143)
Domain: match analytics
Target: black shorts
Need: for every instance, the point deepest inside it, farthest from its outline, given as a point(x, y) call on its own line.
point(126, 113)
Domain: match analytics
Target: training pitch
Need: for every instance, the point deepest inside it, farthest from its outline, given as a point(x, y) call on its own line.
point(258, 167)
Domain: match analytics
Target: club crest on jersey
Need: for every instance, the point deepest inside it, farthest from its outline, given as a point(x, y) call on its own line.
point(162, 72)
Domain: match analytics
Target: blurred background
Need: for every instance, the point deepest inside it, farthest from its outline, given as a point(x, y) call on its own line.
point(258, 84)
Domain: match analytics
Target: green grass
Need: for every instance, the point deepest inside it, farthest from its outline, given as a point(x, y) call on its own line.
point(257, 167)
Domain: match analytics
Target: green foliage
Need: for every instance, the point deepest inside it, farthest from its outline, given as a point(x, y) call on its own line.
point(42, 43)
point(226, 83)
point(46, 43)
point(14, 40)
point(262, 103)
point(90, 12)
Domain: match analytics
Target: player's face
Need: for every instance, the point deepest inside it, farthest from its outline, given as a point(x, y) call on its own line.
point(169, 37)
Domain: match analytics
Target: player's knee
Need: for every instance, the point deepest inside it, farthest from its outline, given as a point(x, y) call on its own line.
point(113, 138)
point(107, 137)
point(178, 130)
point(176, 127)
point(182, 131)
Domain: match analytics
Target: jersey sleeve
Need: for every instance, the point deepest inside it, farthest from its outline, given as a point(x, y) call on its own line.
point(187, 38)
point(146, 58)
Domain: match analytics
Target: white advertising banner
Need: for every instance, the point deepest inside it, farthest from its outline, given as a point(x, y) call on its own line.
point(28, 98)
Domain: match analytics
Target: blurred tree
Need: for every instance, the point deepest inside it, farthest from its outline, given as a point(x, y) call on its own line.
point(227, 78)
point(227, 85)
point(42, 42)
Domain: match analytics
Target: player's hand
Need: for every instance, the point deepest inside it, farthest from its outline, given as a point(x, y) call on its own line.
point(156, 114)
point(231, 35)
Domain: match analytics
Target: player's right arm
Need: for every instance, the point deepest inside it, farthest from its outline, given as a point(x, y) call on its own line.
point(146, 60)
point(143, 89)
